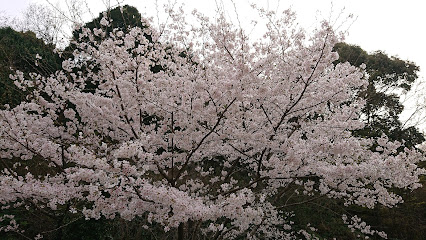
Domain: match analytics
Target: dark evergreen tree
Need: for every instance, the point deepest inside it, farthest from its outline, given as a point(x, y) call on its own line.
point(23, 51)
point(121, 19)
point(386, 77)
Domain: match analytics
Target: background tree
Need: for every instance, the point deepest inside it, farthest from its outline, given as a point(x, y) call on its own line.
point(23, 51)
point(45, 22)
point(388, 78)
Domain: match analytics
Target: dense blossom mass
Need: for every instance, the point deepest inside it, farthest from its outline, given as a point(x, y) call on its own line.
point(198, 123)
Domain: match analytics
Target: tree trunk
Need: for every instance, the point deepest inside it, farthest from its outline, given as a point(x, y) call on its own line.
point(181, 231)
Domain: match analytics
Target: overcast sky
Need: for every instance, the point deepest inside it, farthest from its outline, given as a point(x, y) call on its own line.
point(393, 26)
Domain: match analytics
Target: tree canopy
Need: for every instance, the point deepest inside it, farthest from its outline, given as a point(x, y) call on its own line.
point(222, 143)
point(388, 77)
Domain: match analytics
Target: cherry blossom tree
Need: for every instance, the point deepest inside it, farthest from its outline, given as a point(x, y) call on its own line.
point(210, 143)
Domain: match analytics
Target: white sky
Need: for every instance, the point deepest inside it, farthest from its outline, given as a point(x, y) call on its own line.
point(393, 26)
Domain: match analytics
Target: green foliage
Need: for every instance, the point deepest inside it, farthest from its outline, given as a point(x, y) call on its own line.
point(18, 51)
point(387, 76)
point(123, 19)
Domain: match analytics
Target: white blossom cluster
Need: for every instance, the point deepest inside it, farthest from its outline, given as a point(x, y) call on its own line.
point(356, 224)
